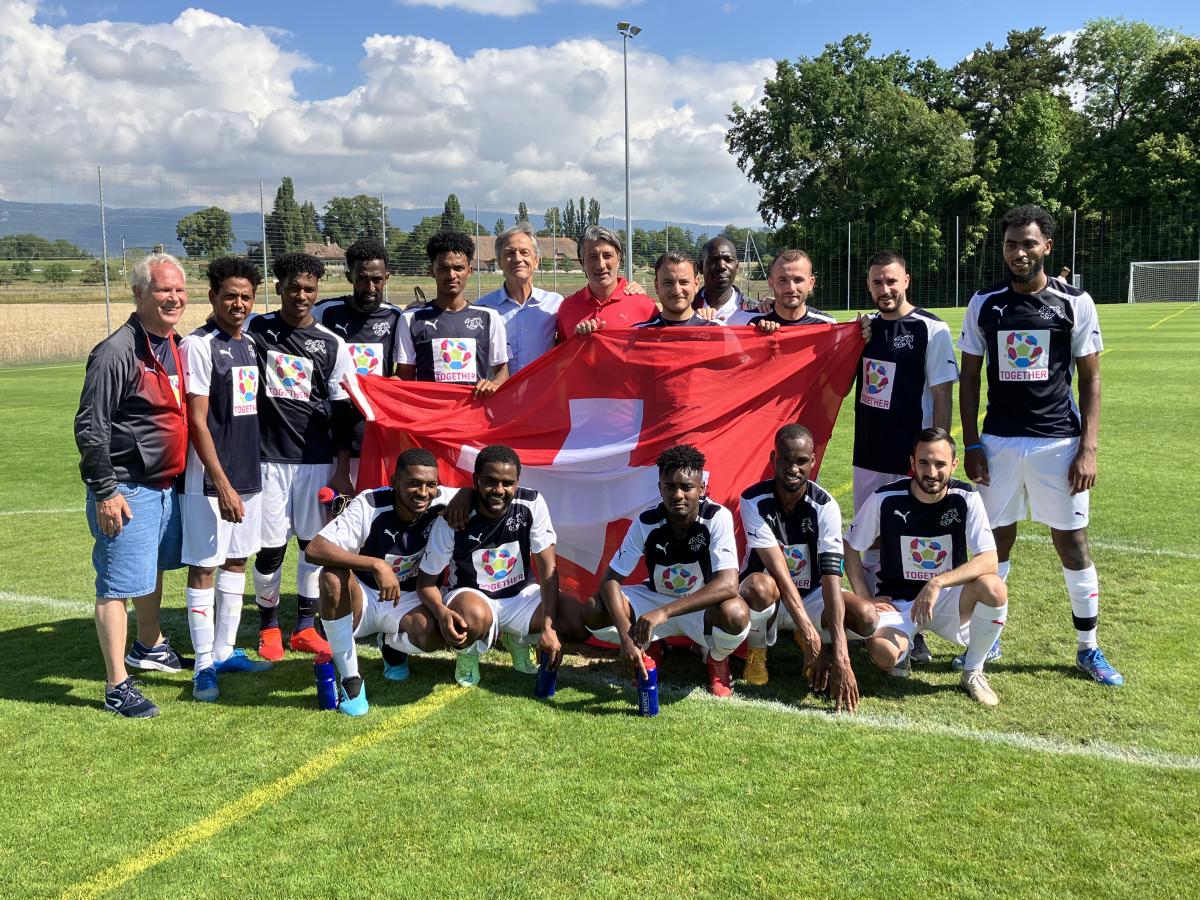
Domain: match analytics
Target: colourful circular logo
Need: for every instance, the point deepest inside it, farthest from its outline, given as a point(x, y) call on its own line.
point(290, 373)
point(366, 360)
point(678, 580)
point(247, 385)
point(877, 378)
point(1023, 350)
point(795, 559)
point(456, 355)
point(402, 566)
point(927, 554)
point(498, 564)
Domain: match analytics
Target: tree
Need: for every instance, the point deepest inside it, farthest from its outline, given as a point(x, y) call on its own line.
point(552, 222)
point(570, 222)
point(22, 270)
point(56, 273)
point(206, 232)
point(452, 216)
point(33, 246)
point(498, 228)
point(285, 225)
point(94, 274)
point(347, 219)
point(309, 222)
point(522, 212)
point(1032, 142)
point(593, 213)
point(1109, 60)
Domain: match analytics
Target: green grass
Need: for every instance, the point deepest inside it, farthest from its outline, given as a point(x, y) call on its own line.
point(1067, 789)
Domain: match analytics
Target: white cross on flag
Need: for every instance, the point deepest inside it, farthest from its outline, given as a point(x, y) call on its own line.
point(589, 419)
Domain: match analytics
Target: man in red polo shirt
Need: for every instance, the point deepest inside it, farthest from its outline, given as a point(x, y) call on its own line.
point(606, 302)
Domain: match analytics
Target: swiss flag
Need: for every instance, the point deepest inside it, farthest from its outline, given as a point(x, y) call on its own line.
point(589, 418)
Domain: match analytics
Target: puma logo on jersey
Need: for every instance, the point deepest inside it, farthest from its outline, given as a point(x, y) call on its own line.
point(999, 309)
point(392, 534)
point(343, 328)
point(903, 515)
point(225, 351)
point(274, 335)
point(661, 548)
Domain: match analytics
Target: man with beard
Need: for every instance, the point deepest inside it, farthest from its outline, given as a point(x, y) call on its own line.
point(1037, 453)
point(925, 526)
point(792, 283)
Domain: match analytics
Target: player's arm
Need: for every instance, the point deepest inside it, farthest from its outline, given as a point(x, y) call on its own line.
point(980, 564)
point(722, 587)
point(832, 671)
point(974, 461)
point(228, 502)
point(498, 341)
point(485, 387)
point(548, 642)
point(438, 555)
point(943, 404)
point(614, 602)
point(1083, 467)
point(855, 573)
point(941, 371)
point(322, 551)
point(102, 391)
point(776, 566)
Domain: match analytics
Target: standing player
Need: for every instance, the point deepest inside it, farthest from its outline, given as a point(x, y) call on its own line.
point(691, 560)
point(367, 324)
point(304, 419)
point(925, 526)
point(720, 292)
point(794, 553)
point(1038, 449)
point(493, 589)
point(905, 383)
point(675, 280)
point(792, 283)
point(450, 340)
point(222, 497)
point(370, 555)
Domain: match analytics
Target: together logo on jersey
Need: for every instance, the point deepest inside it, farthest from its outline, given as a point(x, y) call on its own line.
point(404, 567)
point(454, 360)
point(245, 390)
point(879, 377)
point(798, 564)
point(499, 567)
point(289, 376)
point(1023, 355)
point(367, 358)
point(925, 557)
point(678, 580)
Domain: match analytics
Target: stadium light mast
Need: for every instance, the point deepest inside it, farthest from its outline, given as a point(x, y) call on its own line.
point(627, 31)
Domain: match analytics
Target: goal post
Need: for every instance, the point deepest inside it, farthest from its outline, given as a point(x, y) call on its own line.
point(1164, 281)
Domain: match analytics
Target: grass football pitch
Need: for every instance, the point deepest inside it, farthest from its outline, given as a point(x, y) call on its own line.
point(1066, 789)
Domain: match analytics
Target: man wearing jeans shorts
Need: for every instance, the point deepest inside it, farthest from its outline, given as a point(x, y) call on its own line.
point(370, 554)
point(1037, 454)
point(131, 431)
point(925, 526)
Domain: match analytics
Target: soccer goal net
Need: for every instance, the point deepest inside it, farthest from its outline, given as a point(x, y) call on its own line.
point(1161, 282)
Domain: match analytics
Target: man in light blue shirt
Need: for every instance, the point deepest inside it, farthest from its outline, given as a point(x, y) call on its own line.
point(529, 313)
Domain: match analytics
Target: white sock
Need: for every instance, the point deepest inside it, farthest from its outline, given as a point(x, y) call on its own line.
point(308, 578)
point(231, 586)
point(1083, 587)
point(1002, 569)
point(986, 624)
point(340, 634)
point(722, 643)
point(758, 626)
point(266, 587)
point(402, 642)
point(201, 625)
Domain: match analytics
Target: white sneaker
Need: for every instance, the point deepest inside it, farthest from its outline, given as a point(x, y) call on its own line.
point(977, 687)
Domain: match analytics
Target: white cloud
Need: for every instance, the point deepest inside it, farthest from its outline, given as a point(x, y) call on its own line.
point(505, 8)
point(208, 106)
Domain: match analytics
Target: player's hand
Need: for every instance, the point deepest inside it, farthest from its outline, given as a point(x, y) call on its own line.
point(631, 657)
point(632, 287)
point(707, 313)
point(765, 306)
point(922, 608)
point(549, 644)
point(112, 514)
point(864, 326)
point(389, 587)
point(766, 327)
point(843, 686)
point(341, 483)
point(1082, 474)
point(818, 674)
point(453, 627)
point(458, 510)
point(588, 326)
point(808, 639)
point(485, 388)
point(229, 504)
point(642, 631)
point(975, 464)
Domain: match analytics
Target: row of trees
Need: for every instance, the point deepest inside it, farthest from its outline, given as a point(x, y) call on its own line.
point(32, 246)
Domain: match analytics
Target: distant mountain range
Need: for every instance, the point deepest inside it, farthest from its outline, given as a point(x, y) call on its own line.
point(80, 224)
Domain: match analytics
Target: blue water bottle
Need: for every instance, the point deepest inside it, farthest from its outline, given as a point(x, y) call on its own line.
point(547, 678)
point(326, 675)
point(648, 689)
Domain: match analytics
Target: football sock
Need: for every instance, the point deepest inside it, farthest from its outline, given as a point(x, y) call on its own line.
point(722, 643)
point(231, 586)
point(1002, 569)
point(308, 582)
point(986, 624)
point(1083, 587)
point(201, 625)
point(306, 613)
point(758, 626)
point(394, 647)
point(266, 595)
point(340, 633)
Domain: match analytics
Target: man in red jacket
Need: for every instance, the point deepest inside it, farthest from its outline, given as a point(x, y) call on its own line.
point(131, 430)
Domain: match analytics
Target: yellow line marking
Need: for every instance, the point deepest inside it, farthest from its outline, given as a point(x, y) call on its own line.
point(1187, 308)
point(173, 844)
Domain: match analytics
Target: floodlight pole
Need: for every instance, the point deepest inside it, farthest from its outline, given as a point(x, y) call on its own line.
point(262, 214)
point(627, 31)
point(104, 250)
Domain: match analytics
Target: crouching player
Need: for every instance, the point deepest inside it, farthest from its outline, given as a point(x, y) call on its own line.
point(925, 525)
point(493, 590)
point(692, 590)
point(370, 555)
point(794, 554)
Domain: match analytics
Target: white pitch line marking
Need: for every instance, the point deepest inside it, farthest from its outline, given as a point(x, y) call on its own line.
point(1119, 548)
point(52, 511)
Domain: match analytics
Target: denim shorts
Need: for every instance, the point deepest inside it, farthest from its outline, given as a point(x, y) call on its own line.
point(128, 565)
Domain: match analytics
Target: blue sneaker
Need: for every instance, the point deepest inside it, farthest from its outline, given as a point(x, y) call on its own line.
point(356, 705)
point(1091, 660)
point(126, 700)
point(238, 661)
point(204, 685)
point(396, 671)
point(992, 655)
point(161, 657)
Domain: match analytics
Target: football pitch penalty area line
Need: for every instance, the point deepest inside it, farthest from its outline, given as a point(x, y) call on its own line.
point(1187, 308)
point(172, 845)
